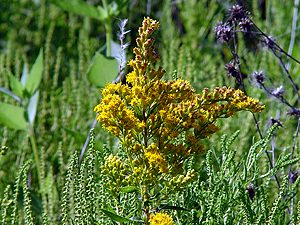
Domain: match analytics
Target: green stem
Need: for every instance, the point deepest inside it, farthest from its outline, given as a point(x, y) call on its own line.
point(108, 29)
point(146, 218)
point(35, 151)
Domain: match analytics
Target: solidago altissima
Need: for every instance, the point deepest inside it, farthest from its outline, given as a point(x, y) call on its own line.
point(160, 124)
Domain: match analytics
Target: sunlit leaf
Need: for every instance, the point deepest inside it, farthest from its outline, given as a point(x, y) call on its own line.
point(12, 116)
point(102, 70)
point(15, 86)
point(102, 14)
point(25, 75)
point(9, 93)
point(35, 75)
point(32, 107)
point(77, 7)
point(128, 189)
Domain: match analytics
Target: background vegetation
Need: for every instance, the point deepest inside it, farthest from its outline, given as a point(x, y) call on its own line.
point(57, 190)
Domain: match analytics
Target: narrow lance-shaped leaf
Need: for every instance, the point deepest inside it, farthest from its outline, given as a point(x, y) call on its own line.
point(32, 107)
point(12, 116)
point(9, 93)
point(35, 75)
point(15, 86)
point(25, 75)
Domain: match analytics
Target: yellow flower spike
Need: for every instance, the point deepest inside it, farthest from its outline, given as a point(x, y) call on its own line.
point(145, 53)
point(149, 26)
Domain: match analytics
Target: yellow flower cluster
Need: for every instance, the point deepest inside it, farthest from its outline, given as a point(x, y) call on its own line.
point(156, 159)
point(115, 169)
point(116, 116)
point(161, 219)
point(159, 123)
point(157, 112)
point(180, 182)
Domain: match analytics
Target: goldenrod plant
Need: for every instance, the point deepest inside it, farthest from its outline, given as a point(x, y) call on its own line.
point(159, 124)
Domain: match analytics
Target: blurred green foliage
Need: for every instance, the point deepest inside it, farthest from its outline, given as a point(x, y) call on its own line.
point(187, 45)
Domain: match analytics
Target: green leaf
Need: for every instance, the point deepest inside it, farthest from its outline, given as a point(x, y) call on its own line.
point(15, 85)
point(77, 7)
point(32, 106)
point(103, 16)
point(114, 216)
point(9, 93)
point(103, 70)
point(113, 9)
point(25, 75)
point(128, 189)
point(35, 75)
point(82, 138)
point(12, 116)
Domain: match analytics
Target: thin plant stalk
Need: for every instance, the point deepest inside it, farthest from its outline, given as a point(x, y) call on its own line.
point(292, 153)
point(108, 28)
point(293, 32)
point(35, 150)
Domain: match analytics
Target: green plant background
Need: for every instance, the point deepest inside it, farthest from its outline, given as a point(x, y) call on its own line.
point(187, 45)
